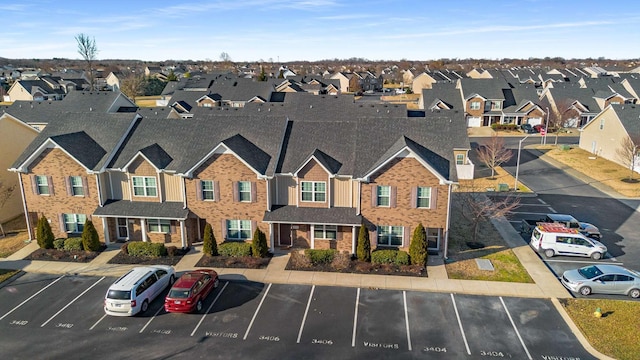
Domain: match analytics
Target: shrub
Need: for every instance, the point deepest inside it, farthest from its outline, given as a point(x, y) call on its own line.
point(44, 235)
point(341, 261)
point(140, 248)
point(317, 256)
point(125, 248)
point(90, 239)
point(209, 246)
point(172, 250)
point(397, 257)
point(298, 260)
point(259, 246)
point(74, 243)
point(418, 246)
point(235, 249)
point(506, 127)
point(363, 251)
point(59, 243)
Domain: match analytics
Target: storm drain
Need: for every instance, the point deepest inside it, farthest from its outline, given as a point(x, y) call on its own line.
point(485, 264)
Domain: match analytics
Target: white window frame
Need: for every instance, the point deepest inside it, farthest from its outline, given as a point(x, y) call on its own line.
point(124, 226)
point(325, 231)
point(159, 226)
point(434, 237)
point(496, 105)
point(421, 196)
point(77, 188)
point(475, 105)
point(74, 223)
point(42, 183)
point(316, 194)
point(145, 186)
point(380, 195)
point(244, 190)
point(238, 226)
point(388, 235)
point(206, 191)
point(601, 123)
point(459, 159)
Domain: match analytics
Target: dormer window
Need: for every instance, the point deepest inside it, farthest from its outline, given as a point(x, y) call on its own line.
point(496, 105)
point(145, 186)
point(475, 105)
point(313, 191)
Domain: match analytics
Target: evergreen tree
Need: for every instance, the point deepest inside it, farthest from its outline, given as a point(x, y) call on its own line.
point(90, 238)
point(363, 252)
point(44, 235)
point(209, 246)
point(259, 246)
point(418, 246)
point(263, 75)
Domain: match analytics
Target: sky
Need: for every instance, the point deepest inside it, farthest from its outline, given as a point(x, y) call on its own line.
point(312, 30)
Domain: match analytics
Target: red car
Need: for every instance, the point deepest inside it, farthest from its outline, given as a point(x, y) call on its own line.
point(189, 292)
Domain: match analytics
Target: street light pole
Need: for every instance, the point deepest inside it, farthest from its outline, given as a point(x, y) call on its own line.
point(546, 127)
point(515, 187)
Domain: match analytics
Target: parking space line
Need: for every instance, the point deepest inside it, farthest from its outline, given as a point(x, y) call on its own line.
point(31, 297)
point(209, 309)
point(355, 320)
point(406, 318)
point(256, 313)
point(304, 318)
point(516, 329)
point(464, 337)
point(97, 322)
point(585, 262)
point(153, 317)
point(71, 302)
point(542, 201)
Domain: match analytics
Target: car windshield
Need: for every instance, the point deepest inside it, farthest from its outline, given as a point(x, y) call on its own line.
point(179, 293)
point(589, 272)
point(119, 295)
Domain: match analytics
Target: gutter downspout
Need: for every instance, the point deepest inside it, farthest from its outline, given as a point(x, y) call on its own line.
point(446, 231)
point(24, 205)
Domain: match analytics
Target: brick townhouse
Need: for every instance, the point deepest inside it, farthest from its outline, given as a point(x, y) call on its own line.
point(307, 175)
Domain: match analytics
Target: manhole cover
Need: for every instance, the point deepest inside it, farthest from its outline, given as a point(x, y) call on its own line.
point(484, 264)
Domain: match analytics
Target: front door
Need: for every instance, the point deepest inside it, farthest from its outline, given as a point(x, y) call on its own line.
point(285, 235)
point(123, 228)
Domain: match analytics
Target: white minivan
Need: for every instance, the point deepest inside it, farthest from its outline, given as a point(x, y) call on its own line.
point(555, 239)
point(134, 291)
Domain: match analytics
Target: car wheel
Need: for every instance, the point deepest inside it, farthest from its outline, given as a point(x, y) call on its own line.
point(549, 253)
point(585, 290)
point(144, 307)
point(172, 279)
point(634, 293)
point(596, 256)
point(199, 306)
point(216, 283)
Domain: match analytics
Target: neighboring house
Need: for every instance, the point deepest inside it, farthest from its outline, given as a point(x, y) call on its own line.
point(36, 90)
point(308, 175)
point(570, 98)
point(348, 81)
point(483, 100)
point(426, 79)
point(605, 135)
point(479, 74)
point(156, 72)
point(369, 82)
point(113, 80)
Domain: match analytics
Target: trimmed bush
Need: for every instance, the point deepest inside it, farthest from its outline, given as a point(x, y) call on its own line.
point(209, 246)
point(259, 247)
point(140, 248)
point(59, 243)
point(418, 246)
point(397, 257)
point(44, 235)
point(90, 238)
point(235, 249)
point(317, 256)
point(506, 127)
point(172, 250)
point(74, 243)
point(363, 252)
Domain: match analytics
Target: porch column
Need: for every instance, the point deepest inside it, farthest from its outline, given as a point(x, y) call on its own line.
point(143, 225)
point(183, 239)
point(271, 240)
point(313, 236)
point(105, 231)
point(354, 240)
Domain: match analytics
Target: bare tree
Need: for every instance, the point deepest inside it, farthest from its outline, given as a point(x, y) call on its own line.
point(5, 194)
point(88, 50)
point(493, 153)
point(628, 152)
point(133, 86)
point(477, 208)
point(559, 115)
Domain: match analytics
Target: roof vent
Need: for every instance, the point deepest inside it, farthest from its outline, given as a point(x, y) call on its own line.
point(90, 109)
point(258, 109)
point(310, 106)
point(156, 113)
point(269, 109)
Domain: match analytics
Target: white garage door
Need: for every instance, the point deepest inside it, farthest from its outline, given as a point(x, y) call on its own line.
point(534, 121)
point(474, 121)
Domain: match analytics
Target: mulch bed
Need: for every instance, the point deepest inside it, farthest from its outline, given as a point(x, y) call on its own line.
point(78, 256)
point(243, 262)
point(361, 267)
point(122, 258)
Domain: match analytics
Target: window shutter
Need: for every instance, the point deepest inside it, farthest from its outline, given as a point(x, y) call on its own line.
point(216, 191)
point(34, 184)
point(50, 183)
point(223, 228)
point(393, 194)
point(406, 236)
point(199, 190)
point(414, 197)
point(254, 226)
point(374, 195)
point(67, 180)
point(434, 198)
point(253, 192)
point(236, 194)
point(61, 219)
point(85, 186)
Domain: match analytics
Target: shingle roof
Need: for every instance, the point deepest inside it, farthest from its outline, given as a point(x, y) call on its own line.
point(629, 115)
point(302, 215)
point(487, 88)
point(143, 209)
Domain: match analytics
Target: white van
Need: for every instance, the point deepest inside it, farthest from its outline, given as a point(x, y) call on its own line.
point(556, 239)
point(134, 291)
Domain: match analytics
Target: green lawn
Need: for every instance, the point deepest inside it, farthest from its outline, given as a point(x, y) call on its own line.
point(5, 274)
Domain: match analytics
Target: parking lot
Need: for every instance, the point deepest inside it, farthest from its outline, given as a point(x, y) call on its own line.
point(62, 317)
